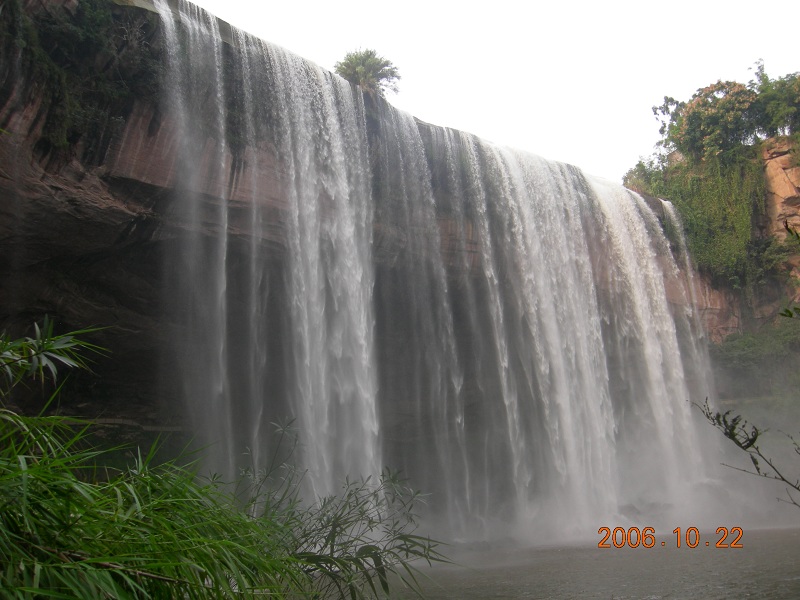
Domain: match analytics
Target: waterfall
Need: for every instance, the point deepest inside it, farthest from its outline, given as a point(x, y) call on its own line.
point(514, 336)
point(314, 122)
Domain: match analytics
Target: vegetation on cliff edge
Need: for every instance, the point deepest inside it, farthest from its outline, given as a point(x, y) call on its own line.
point(84, 70)
point(709, 165)
point(368, 70)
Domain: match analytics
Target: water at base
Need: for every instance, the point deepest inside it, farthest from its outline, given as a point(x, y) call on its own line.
point(765, 568)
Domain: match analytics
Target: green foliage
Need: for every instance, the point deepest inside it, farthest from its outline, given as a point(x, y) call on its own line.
point(722, 119)
point(776, 110)
point(710, 167)
point(768, 257)
point(85, 69)
point(718, 204)
point(715, 122)
point(369, 71)
point(750, 354)
point(33, 357)
point(72, 528)
point(148, 532)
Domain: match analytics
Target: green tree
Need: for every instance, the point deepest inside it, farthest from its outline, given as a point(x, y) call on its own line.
point(776, 110)
point(722, 119)
point(716, 122)
point(369, 71)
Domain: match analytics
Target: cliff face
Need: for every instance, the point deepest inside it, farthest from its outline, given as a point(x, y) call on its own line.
point(87, 250)
point(782, 169)
point(723, 310)
point(87, 183)
point(75, 243)
point(85, 208)
point(783, 187)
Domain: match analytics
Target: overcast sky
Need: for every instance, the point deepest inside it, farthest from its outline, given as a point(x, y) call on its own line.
point(568, 80)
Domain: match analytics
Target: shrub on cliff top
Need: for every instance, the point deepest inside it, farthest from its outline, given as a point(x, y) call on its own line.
point(374, 74)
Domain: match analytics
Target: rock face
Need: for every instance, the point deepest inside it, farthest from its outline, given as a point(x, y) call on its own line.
point(84, 227)
point(782, 171)
point(723, 311)
point(75, 243)
point(720, 311)
point(86, 250)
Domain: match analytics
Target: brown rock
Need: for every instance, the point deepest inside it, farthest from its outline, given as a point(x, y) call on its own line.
point(782, 187)
point(720, 311)
point(793, 173)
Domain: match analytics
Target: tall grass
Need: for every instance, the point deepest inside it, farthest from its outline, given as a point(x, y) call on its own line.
point(69, 530)
point(72, 528)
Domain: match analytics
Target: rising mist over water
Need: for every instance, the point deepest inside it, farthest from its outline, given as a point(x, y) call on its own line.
point(515, 337)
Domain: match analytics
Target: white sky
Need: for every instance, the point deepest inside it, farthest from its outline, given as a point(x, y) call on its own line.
point(568, 80)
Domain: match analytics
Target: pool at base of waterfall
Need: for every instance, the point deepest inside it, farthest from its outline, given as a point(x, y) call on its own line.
point(766, 567)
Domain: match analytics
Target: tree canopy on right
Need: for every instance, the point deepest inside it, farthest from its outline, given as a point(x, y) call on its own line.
point(723, 118)
point(709, 165)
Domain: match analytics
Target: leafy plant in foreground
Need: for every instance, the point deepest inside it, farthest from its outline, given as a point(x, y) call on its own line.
point(33, 357)
point(70, 528)
point(351, 543)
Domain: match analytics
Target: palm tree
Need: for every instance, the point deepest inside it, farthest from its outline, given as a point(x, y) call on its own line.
point(372, 73)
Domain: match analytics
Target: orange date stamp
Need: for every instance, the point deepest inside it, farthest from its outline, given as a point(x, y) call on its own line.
point(633, 537)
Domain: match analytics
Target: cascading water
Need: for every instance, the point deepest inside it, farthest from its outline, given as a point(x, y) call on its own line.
point(495, 325)
point(315, 122)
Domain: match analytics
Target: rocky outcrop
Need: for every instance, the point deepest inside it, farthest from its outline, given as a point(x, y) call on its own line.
point(726, 311)
point(720, 311)
point(87, 251)
point(782, 171)
point(75, 244)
